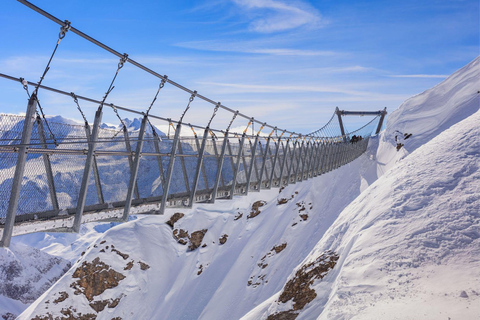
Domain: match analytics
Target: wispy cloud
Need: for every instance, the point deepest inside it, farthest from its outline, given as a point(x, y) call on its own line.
point(240, 87)
point(269, 16)
point(441, 76)
point(252, 47)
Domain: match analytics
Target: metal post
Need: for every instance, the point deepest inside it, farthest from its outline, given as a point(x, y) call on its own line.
point(171, 163)
point(262, 170)
point(86, 172)
point(184, 168)
point(218, 159)
point(159, 158)
point(95, 169)
point(48, 165)
point(305, 161)
point(134, 173)
point(204, 174)
point(342, 129)
point(19, 170)
point(274, 163)
point(218, 176)
point(316, 159)
point(198, 169)
point(311, 159)
point(130, 158)
point(235, 171)
point(284, 162)
point(380, 122)
point(250, 169)
point(292, 161)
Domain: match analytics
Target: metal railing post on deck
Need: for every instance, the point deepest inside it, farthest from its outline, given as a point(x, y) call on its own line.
point(130, 157)
point(171, 163)
point(48, 165)
point(19, 171)
point(184, 168)
point(134, 172)
point(292, 161)
point(198, 168)
point(275, 160)
point(262, 169)
point(250, 169)
point(159, 158)
point(237, 166)
point(95, 169)
point(218, 176)
point(92, 143)
point(284, 163)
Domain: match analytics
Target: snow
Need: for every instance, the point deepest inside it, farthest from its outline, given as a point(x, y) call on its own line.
point(404, 223)
point(410, 244)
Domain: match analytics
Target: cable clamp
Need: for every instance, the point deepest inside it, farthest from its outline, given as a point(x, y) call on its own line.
point(63, 30)
point(122, 61)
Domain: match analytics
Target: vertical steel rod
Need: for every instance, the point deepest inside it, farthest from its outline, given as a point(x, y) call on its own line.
point(184, 168)
point(82, 197)
point(237, 166)
point(156, 145)
point(170, 167)
point(19, 171)
point(284, 163)
point(134, 172)
point(130, 158)
point(250, 169)
point(262, 170)
point(198, 168)
point(96, 175)
point(48, 165)
point(218, 176)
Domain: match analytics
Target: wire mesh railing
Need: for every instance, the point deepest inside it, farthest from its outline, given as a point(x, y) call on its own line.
point(53, 169)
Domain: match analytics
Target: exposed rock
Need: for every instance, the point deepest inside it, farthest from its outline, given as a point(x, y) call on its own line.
point(200, 270)
point(68, 314)
point(129, 265)
point(123, 255)
point(196, 239)
point(223, 239)
point(103, 241)
point(282, 201)
point(176, 216)
point(284, 315)
point(279, 248)
point(98, 306)
point(180, 234)
point(94, 278)
point(304, 216)
point(143, 265)
point(281, 189)
point(255, 211)
point(298, 288)
point(238, 216)
point(63, 297)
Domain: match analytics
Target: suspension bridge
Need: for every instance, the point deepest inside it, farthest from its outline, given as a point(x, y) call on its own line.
point(54, 176)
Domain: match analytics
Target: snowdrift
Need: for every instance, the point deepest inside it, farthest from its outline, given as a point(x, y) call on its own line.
point(409, 246)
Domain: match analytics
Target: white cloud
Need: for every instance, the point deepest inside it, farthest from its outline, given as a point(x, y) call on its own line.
point(275, 16)
point(255, 47)
point(441, 76)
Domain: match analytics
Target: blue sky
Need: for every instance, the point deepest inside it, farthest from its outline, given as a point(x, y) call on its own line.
point(289, 63)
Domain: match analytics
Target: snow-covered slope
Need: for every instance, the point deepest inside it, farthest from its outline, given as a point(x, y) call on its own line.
point(409, 246)
point(429, 113)
point(244, 261)
point(218, 281)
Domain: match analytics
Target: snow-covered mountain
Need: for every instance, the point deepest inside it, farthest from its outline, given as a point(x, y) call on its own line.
point(380, 238)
